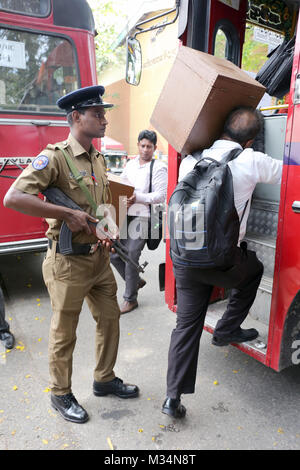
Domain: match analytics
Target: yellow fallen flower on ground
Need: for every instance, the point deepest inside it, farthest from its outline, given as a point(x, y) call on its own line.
point(216, 382)
point(15, 387)
point(47, 389)
point(110, 443)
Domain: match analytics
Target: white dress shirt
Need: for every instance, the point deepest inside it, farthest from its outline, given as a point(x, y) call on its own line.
point(138, 175)
point(248, 169)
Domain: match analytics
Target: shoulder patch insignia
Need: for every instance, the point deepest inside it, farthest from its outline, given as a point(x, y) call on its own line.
point(40, 162)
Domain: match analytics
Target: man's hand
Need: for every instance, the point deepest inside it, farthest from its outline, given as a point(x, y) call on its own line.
point(77, 221)
point(107, 244)
point(131, 200)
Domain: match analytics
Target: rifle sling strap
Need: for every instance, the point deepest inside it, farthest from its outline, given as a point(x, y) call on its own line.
point(79, 179)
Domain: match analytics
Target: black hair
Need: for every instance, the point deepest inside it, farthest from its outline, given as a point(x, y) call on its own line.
point(149, 135)
point(242, 124)
point(70, 117)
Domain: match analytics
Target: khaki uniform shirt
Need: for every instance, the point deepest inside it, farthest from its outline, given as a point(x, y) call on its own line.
point(56, 173)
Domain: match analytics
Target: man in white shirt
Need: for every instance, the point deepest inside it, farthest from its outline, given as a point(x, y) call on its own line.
point(137, 173)
point(194, 286)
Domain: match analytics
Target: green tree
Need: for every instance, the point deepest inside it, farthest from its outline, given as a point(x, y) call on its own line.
point(110, 19)
point(254, 53)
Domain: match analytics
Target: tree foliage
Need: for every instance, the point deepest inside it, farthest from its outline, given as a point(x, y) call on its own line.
point(254, 53)
point(110, 18)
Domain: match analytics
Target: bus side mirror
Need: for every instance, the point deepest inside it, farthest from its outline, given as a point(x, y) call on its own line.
point(134, 61)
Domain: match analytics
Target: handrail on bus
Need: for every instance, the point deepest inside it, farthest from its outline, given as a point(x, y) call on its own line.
point(141, 30)
point(277, 106)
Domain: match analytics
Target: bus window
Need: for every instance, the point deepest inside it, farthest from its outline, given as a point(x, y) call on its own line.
point(259, 42)
point(26, 7)
point(220, 44)
point(35, 70)
point(226, 42)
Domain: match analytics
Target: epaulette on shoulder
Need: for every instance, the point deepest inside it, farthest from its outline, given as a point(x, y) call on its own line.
point(54, 147)
point(50, 147)
point(64, 144)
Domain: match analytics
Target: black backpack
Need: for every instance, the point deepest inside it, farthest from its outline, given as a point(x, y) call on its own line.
point(202, 219)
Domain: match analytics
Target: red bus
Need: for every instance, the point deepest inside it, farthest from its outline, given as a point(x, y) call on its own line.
point(46, 50)
point(219, 27)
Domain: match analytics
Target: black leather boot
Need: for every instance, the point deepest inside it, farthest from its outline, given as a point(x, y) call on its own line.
point(8, 339)
point(115, 387)
point(69, 408)
point(174, 408)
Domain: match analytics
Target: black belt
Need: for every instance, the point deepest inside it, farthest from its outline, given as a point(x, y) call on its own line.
point(78, 248)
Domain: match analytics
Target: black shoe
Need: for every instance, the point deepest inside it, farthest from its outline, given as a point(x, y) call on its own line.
point(128, 306)
point(174, 408)
point(8, 339)
point(238, 336)
point(141, 283)
point(115, 387)
point(69, 408)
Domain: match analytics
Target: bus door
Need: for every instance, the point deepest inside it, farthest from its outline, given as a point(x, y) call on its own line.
point(245, 33)
point(284, 336)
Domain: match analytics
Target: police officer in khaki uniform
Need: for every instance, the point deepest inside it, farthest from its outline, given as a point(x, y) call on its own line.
point(86, 274)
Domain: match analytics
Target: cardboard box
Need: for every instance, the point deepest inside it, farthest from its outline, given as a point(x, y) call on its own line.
point(120, 191)
point(199, 92)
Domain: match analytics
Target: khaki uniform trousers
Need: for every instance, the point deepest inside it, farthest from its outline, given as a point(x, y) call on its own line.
point(70, 280)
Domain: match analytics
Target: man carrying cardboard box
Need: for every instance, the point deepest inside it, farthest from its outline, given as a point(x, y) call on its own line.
point(137, 173)
point(194, 285)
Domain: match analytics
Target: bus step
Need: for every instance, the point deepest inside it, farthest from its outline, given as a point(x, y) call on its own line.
point(256, 348)
point(261, 307)
point(264, 246)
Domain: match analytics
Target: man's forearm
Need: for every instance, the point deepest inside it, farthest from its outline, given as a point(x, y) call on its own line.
point(33, 205)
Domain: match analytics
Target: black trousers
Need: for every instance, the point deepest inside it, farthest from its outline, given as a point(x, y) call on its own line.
point(4, 326)
point(135, 247)
point(194, 288)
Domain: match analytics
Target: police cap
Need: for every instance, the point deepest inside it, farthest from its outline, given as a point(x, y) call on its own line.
point(83, 98)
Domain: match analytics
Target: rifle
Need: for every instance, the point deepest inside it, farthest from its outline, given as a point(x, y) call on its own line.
point(58, 197)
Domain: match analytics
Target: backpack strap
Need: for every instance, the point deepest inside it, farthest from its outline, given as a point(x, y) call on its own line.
point(244, 211)
point(234, 153)
point(151, 171)
point(150, 181)
point(197, 155)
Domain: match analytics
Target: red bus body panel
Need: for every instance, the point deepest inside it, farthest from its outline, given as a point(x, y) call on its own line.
point(23, 136)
